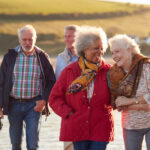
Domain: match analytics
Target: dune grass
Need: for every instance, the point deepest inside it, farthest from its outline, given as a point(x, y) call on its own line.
point(49, 17)
point(50, 33)
point(61, 6)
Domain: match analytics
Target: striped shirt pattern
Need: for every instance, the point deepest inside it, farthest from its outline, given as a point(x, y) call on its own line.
point(26, 77)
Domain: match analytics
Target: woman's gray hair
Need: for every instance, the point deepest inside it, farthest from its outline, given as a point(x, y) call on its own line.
point(86, 35)
point(25, 28)
point(124, 42)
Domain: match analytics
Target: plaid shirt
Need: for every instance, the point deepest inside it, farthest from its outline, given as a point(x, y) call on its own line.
point(26, 77)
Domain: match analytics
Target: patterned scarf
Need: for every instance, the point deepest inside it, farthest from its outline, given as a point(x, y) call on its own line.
point(88, 73)
point(126, 84)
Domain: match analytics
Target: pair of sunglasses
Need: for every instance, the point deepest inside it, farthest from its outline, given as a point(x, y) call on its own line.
point(1, 124)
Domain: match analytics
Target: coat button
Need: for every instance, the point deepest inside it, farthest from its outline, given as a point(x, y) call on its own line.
point(87, 121)
point(89, 107)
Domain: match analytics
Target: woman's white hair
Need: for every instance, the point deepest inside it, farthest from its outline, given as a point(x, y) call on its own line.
point(86, 35)
point(124, 42)
point(25, 28)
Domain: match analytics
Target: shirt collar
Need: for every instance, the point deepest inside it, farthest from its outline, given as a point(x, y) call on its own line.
point(71, 55)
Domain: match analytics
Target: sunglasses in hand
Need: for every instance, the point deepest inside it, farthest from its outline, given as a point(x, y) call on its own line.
point(1, 124)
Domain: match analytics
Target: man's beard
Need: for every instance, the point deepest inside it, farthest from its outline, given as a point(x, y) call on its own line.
point(27, 50)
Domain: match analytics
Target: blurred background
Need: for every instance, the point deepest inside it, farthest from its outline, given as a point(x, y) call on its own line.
point(49, 17)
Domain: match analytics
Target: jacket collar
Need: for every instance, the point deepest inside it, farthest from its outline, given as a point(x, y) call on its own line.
point(18, 49)
point(67, 56)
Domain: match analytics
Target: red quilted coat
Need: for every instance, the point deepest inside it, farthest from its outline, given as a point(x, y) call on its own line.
point(90, 121)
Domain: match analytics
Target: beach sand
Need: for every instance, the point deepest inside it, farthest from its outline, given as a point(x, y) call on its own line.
point(49, 136)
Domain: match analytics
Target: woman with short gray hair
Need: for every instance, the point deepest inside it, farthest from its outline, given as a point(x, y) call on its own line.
point(81, 96)
point(86, 36)
point(129, 81)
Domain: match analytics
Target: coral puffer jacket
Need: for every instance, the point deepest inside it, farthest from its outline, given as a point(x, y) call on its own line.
point(91, 120)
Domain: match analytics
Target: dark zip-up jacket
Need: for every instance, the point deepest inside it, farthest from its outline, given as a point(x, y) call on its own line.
point(6, 71)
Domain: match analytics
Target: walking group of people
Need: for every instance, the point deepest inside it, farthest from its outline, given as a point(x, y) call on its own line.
point(83, 91)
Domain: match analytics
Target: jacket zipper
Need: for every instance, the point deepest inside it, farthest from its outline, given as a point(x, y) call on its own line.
point(41, 68)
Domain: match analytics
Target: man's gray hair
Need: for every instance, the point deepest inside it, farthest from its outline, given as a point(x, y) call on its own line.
point(86, 35)
point(71, 27)
point(25, 28)
point(124, 42)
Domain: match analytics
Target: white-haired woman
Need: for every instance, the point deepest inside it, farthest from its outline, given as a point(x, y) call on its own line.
point(81, 96)
point(129, 81)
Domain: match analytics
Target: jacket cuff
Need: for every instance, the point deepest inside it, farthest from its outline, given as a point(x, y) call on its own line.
point(65, 114)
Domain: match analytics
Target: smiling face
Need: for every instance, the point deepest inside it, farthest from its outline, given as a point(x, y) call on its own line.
point(27, 40)
point(94, 52)
point(123, 58)
point(69, 38)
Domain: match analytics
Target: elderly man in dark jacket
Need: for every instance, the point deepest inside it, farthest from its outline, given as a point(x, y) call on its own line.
point(26, 79)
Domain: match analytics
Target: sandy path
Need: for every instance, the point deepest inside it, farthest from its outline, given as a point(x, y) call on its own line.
point(50, 133)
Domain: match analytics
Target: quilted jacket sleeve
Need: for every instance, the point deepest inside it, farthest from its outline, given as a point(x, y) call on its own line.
point(57, 98)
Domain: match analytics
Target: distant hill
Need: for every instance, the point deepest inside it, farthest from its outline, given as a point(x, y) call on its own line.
point(45, 7)
point(49, 17)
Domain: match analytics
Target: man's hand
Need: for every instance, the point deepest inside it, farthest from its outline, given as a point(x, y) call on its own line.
point(40, 105)
point(1, 116)
point(1, 113)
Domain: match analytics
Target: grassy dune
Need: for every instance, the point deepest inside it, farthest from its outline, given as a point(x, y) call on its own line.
point(61, 6)
point(49, 17)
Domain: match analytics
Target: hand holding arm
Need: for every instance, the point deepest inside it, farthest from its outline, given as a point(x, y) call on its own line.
point(139, 107)
point(124, 101)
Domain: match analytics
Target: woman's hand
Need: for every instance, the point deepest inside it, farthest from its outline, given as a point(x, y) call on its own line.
point(124, 101)
point(139, 107)
point(70, 113)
